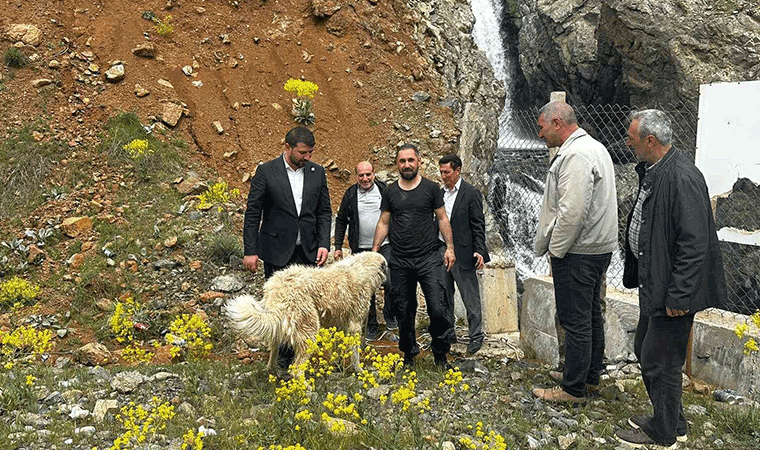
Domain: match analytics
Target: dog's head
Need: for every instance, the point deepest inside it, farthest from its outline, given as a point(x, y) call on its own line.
point(374, 261)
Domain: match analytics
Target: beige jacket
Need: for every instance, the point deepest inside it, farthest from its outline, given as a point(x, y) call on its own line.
point(579, 207)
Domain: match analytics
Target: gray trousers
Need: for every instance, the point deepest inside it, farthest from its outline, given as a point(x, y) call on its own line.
point(466, 281)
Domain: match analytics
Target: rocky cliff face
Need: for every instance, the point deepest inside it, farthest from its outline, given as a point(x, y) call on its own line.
point(444, 35)
point(637, 51)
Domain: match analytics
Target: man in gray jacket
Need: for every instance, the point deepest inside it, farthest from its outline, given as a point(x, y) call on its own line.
point(673, 256)
point(578, 228)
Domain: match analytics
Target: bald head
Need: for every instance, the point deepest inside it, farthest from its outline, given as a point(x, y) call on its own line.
point(365, 175)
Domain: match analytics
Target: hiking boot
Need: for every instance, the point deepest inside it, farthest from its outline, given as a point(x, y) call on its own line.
point(557, 395)
point(638, 421)
point(391, 325)
point(639, 439)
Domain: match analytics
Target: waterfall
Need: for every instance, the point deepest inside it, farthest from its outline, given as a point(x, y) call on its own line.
point(519, 167)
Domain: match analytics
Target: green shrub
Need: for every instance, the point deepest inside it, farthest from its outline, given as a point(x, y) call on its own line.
point(219, 248)
point(15, 58)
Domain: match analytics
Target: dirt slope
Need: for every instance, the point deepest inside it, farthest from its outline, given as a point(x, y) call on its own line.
point(361, 58)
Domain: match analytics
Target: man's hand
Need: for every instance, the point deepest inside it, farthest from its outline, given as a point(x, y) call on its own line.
point(676, 312)
point(338, 254)
point(251, 262)
point(449, 258)
point(479, 264)
point(322, 255)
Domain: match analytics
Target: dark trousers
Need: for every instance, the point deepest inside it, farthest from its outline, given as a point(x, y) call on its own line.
point(372, 325)
point(577, 292)
point(467, 282)
point(660, 344)
point(286, 353)
point(405, 274)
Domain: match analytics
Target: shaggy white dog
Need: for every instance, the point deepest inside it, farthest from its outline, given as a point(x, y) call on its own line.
point(297, 301)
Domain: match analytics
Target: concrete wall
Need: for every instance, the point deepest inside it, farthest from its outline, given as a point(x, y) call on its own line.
point(717, 356)
point(498, 297)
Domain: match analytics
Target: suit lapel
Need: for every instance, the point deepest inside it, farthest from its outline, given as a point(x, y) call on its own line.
point(458, 200)
point(283, 181)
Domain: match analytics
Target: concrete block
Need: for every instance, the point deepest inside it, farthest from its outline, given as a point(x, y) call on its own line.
point(537, 329)
point(717, 356)
point(498, 299)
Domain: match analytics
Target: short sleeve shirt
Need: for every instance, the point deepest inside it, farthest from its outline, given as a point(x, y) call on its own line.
point(413, 227)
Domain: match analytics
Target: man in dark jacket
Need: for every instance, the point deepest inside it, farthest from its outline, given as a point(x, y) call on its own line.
point(464, 206)
point(673, 256)
point(359, 211)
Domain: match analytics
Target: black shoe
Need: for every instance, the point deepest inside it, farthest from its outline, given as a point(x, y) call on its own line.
point(372, 335)
point(408, 361)
point(474, 346)
point(638, 421)
point(391, 325)
point(390, 336)
point(639, 439)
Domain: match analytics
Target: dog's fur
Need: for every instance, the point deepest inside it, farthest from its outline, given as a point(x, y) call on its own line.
point(297, 301)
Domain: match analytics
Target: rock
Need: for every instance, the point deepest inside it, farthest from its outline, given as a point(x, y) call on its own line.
point(218, 127)
point(566, 441)
point(42, 82)
point(324, 8)
point(227, 283)
point(77, 412)
point(35, 254)
point(115, 73)
point(93, 354)
point(165, 83)
point(145, 50)
point(210, 295)
point(127, 382)
point(76, 226)
point(420, 96)
point(696, 410)
point(75, 261)
point(26, 33)
point(170, 242)
point(85, 431)
point(171, 114)
point(141, 91)
point(167, 264)
point(192, 186)
point(533, 443)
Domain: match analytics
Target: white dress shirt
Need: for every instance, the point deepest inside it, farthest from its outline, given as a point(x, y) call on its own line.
point(296, 186)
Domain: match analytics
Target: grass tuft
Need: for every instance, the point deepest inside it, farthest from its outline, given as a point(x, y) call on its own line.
point(15, 58)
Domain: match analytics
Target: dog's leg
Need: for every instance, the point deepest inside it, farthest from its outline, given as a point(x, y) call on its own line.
point(356, 328)
point(274, 350)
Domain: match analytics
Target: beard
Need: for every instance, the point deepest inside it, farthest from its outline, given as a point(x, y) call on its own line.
point(409, 174)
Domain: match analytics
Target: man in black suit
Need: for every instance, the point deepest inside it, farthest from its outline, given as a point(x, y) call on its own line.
point(288, 216)
point(359, 212)
point(464, 207)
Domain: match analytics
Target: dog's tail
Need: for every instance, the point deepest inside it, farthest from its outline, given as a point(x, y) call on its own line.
point(251, 318)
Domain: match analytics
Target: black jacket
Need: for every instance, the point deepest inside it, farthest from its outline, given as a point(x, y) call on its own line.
point(680, 265)
point(348, 216)
point(271, 224)
point(468, 226)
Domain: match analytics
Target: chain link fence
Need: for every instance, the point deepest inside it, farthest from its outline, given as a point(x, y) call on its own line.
point(517, 183)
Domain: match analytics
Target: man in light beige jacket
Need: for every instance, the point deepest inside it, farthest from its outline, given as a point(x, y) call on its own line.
point(578, 229)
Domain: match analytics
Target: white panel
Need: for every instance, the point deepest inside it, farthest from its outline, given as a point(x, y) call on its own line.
point(728, 134)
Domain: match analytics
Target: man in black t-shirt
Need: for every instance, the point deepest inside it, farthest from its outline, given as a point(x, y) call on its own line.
point(413, 210)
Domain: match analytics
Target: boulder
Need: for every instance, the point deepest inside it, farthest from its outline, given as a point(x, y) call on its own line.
point(26, 33)
point(171, 114)
point(93, 354)
point(76, 226)
point(145, 50)
point(115, 73)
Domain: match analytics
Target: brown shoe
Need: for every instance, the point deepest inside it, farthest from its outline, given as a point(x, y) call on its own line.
point(591, 389)
point(557, 395)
